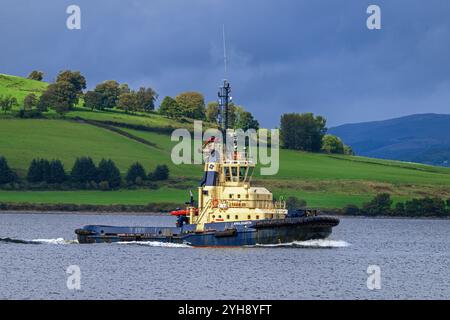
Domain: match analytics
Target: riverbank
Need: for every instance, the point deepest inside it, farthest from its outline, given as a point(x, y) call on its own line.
point(94, 209)
point(117, 212)
point(86, 213)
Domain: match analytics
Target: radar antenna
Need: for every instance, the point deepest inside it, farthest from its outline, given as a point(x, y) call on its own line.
point(224, 50)
point(224, 95)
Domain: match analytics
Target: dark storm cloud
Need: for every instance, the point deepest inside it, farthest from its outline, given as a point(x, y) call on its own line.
point(285, 55)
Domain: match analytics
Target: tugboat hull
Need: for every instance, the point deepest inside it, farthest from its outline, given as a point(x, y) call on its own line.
point(222, 234)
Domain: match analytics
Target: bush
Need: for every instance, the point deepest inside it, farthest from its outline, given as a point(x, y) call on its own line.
point(332, 144)
point(84, 171)
point(160, 173)
point(426, 207)
point(380, 205)
point(39, 171)
point(139, 181)
point(108, 172)
point(104, 185)
point(399, 209)
point(294, 203)
point(57, 173)
point(351, 210)
point(6, 174)
point(136, 170)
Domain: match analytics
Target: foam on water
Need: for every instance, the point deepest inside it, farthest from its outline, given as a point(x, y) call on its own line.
point(155, 244)
point(319, 243)
point(55, 241)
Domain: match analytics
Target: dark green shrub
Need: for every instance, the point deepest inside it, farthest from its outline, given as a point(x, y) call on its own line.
point(7, 175)
point(160, 173)
point(104, 185)
point(84, 171)
point(380, 205)
point(351, 210)
point(57, 173)
point(294, 203)
point(399, 209)
point(108, 172)
point(136, 170)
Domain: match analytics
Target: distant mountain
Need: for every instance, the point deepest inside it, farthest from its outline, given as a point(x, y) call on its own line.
point(423, 138)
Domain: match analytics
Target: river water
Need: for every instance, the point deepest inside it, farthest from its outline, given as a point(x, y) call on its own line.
point(411, 257)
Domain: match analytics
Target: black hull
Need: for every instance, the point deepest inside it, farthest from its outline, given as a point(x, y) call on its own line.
point(229, 234)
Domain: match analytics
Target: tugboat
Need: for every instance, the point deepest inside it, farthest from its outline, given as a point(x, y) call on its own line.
point(230, 211)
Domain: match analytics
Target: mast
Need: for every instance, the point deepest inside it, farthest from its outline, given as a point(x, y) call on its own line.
point(224, 101)
point(224, 97)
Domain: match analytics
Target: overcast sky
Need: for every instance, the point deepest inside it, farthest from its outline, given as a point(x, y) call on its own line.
point(284, 55)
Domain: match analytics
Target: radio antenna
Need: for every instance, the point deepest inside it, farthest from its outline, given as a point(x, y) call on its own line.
point(224, 50)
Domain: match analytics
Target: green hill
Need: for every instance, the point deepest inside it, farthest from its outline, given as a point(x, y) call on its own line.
point(325, 181)
point(20, 87)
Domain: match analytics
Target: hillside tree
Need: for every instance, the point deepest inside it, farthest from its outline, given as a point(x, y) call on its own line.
point(92, 100)
point(128, 102)
point(36, 75)
point(192, 105)
point(7, 175)
point(84, 170)
point(75, 78)
point(170, 108)
point(8, 102)
point(146, 98)
point(60, 96)
point(108, 172)
point(244, 120)
point(39, 171)
point(302, 131)
point(136, 173)
point(109, 91)
point(30, 101)
point(160, 173)
point(57, 174)
point(212, 111)
point(332, 144)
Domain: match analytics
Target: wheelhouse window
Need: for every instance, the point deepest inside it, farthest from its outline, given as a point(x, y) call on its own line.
point(242, 174)
point(234, 174)
point(227, 173)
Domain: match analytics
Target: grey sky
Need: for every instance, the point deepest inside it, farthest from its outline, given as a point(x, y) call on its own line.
point(284, 55)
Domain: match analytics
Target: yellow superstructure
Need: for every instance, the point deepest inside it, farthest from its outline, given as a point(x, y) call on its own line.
point(226, 194)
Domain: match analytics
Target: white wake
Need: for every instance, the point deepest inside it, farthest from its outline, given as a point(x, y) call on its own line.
point(319, 243)
point(55, 241)
point(155, 244)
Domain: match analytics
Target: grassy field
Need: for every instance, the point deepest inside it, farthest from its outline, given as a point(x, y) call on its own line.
point(323, 180)
point(23, 140)
point(164, 195)
point(151, 120)
point(20, 87)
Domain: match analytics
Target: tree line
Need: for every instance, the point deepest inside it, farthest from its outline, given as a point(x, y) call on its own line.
point(383, 205)
point(306, 132)
point(84, 174)
point(69, 86)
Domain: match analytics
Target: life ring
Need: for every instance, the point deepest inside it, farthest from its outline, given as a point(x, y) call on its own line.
point(215, 203)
